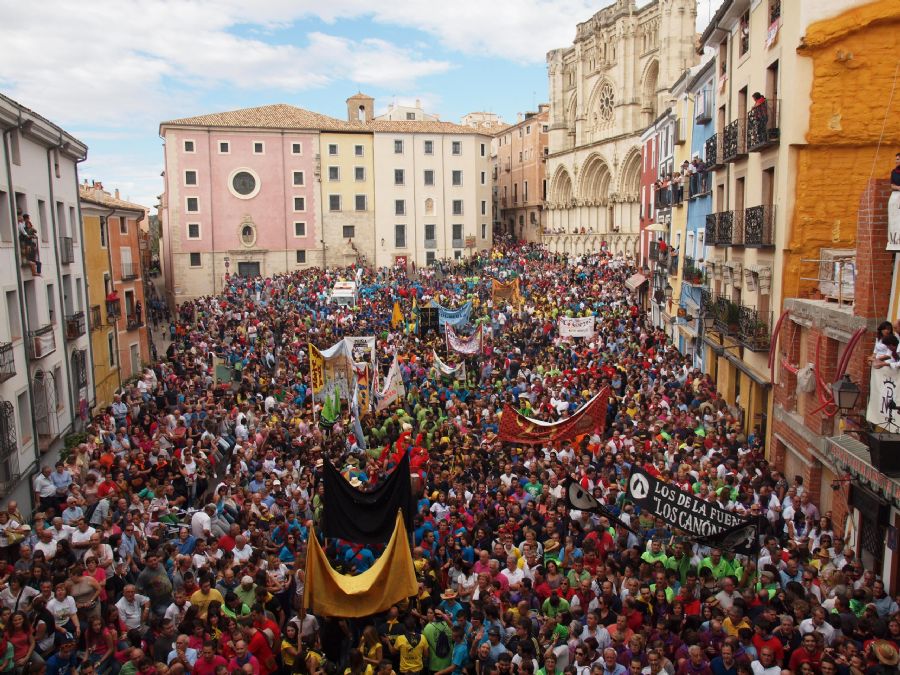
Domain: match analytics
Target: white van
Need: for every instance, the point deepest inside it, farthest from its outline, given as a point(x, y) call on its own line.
point(344, 293)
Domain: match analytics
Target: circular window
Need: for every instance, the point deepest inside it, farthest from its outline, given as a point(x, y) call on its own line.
point(605, 102)
point(243, 183)
point(248, 234)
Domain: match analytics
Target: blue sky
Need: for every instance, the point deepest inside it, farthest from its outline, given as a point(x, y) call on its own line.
point(109, 71)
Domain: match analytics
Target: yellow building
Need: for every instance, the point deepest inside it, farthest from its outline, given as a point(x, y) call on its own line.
point(99, 278)
point(347, 183)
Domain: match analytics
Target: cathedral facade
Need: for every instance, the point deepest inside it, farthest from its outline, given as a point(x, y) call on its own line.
point(605, 90)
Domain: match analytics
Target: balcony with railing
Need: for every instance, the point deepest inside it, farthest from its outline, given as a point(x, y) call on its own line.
point(41, 342)
point(113, 309)
point(712, 229)
point(692, 273)
point(724, 232)
point(734, 144)
point(726, 316)
point(129, 271)
point(9, 448)
point(763, 127)
point(707, 303)
point(96, 317)
point(134, 321)
point(759, 226)
point(698, 184)
point(754, 329)
point(75, 325)
point(7, 361)
point(66, 251)
point(713, 150)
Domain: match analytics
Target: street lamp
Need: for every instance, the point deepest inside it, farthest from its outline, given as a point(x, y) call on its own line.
point(668, 291)
point(846, 393)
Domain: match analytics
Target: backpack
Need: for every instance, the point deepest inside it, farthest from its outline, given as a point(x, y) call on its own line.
point(442, 646)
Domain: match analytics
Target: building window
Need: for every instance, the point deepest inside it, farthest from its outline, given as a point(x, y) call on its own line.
point(359, 173)
point(457, 234)
point(111, 343)
point(429, 147)
point(399, 176)
point(456, 178)
point(483, 150)
point(457, 207)
point(301, 257)
point(349, 231)
point(193, 230)
point(484, 230)
point(103, 233)
point(528, 130)
point(744, 33)
point(332, 149)
point(358, 150)
point(224, 147)
point(195, 260)
point(456, 148)
point(248, 234)
point(399, 207)
point(296, 148)
point(334, 202)
point(525, 191)
point(429, 177)
point(259, 148)
point(360, 202)
point(334, 173)
point(484, 177)
point(398, 147)
point(299, 203)
point(483, 207)
point(429, 257)
point(399, 236)
point(190, 177)
point(189, 146)
point(123, 225)
point(429, 232)
point(457, 255)
point(299, 178)
point(244, 184)
point(193, 204)
point(411, 116)
point(300, 229)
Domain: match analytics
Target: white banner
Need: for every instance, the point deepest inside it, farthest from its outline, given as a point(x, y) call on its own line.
point(464, 345)
point(393, 387)
point(362, 348)
point(576, 326)
point(884, 399)
point(459, 372)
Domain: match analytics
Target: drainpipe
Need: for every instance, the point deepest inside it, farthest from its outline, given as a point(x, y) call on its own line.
point(87, 296)
point(20, 286)
point(62, 305)
point(140, 263)
point(112, 287)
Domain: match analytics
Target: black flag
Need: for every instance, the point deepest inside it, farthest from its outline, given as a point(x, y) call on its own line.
point(367, 517)
point(578, 499)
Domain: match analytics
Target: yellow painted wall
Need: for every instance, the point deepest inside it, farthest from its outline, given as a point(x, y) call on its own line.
point(854, 66)
point(679, 213)
point(106, 378)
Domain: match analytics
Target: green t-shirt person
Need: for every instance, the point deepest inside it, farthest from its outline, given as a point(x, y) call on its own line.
point(431, 632)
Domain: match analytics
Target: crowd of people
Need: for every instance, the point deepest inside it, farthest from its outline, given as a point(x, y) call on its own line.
point(173, 538)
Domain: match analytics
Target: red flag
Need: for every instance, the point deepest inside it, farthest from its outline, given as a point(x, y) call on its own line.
point(516, 428)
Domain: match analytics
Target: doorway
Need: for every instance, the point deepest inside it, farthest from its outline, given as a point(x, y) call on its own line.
point(248, 269)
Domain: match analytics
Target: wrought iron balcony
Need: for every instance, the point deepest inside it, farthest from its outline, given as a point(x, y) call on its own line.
point(96, 317)
point(41, 342)
point(713, 148)
point(734, 144)
point(755, 329)
point(763, 128)
point(7, 361)
point(113, 309)
point(724, 231)
point(726, 316)
point(9, 455)
point(712, 229)
point(759, 226)
point(129, 271)
point(75, 326)
point(66, 251)
point(134, 321)
point(692, 273)
point(737, 228)
point(707, 303)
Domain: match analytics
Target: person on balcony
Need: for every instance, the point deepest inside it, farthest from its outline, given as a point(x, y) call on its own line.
point(759, 117)
point(677, 187)
point(28, 241)
point(894, 203)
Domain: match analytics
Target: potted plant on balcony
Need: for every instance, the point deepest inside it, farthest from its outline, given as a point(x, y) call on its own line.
point(733, 318)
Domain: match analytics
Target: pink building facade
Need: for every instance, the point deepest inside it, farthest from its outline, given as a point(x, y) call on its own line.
point(237, 201)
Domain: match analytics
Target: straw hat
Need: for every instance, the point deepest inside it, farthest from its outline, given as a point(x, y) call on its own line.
point(449, 594)
point(355, 482)
point(885, 652)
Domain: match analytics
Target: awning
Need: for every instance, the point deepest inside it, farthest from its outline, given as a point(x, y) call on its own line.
point(846, 451)
point(635, 281)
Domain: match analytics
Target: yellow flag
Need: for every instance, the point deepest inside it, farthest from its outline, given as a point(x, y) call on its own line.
point(397, 316)
point(390, 580)
point(316, 369)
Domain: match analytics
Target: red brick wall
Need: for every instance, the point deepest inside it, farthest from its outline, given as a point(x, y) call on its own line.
point(873, 262)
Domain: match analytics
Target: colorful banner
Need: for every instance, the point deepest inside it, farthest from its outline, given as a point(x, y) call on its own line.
point(576, 326)
point(316, 370)
point(517, 428)
point(362, 348)
point(393, 387)
point(506, 290)
point(458, 372)
point(390, 580)
point(702, 520)
point(396, 316)
point(470, 345)
point(453, 317)
point(361, 393)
